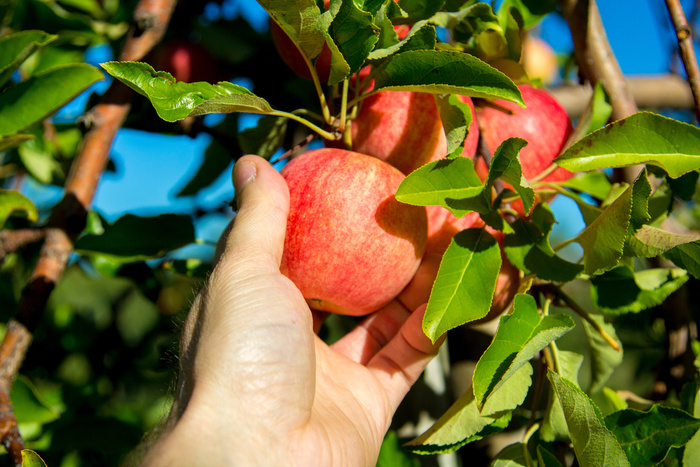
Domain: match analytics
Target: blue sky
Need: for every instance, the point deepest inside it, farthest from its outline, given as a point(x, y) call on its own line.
point(150, 169)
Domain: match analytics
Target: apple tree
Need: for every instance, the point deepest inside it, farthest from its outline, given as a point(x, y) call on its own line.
point(563, 346)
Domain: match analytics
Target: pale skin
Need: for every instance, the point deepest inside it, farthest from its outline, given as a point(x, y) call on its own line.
point(257, 386)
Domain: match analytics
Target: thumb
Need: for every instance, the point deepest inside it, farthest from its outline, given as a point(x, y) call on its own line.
point(256, 237)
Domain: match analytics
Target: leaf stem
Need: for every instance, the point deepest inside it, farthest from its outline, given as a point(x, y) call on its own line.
point(585, 315)
point(344, 106)
point(305, 122)
point(548, 171)
point(319, 89)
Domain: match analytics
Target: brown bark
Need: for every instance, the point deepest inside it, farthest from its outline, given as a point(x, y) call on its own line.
point(151, 18)
point(597, 62)
point(686, 50)
point(649, 92)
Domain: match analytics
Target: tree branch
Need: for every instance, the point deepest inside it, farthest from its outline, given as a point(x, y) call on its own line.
point(686, 49)
point(597, 62)
point(649, 92)
point(14, 240)
point(151, 18)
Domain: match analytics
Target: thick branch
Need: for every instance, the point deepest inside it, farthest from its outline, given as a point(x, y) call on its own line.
point(649, 92)
point(597, 62)
point(595, 56)
point(686, 50)
point(151, 18)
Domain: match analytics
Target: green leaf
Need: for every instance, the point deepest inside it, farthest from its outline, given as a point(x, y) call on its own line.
point(609, 401)
point(511, 456)
point(647, 437)
point(545, 458)
point(422, 36)
point(604, 359)
point(528, 248)
point(465, 282)
point(420, 9)
point(462, 423)
point(265, 138)
point(216, 159)
point(444, 72)
point(622, 290)
point(532, 11)
point(13, 202)
point(595, 184)
point(594, 444)
point(450, 183)
point(28, 404)
point(520, 336)
point(177, 100)
point(604, 239)
point(133, 238)
point(391, 454)
point(642, 138)
point(31, 459)
point(649, 242)
point(302, 21)
point(355, 34)
point(506, 166)
point(16, 48)
point(29, 102)
point(456, 117)
point(554, 426)
point(686, 256)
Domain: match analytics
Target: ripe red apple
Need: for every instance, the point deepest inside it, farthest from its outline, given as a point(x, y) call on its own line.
point(404, 129)
point(187, 61)
point(350, 246)
point(543, 123)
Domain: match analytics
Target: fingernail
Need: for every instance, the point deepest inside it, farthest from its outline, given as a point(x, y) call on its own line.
point(243, 173)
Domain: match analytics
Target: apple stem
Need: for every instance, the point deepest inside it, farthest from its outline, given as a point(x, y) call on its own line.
point(344, 106)
point(325, 134)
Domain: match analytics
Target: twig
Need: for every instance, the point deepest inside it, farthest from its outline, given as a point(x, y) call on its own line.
point(584, 314)
point(14, 240)
point(151, 18)
point(686, 50)
point(649, 92)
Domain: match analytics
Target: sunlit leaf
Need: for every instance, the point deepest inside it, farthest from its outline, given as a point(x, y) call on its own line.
point(12, 203)
point(30, 101)
point(594, 444)
point(604, 239)
point(177, 100)
point(456, 116)
point(642, 138)
point(463, 423)
point(443, 72)
point(16, 48)
point(622, 290)
point(450, 183)
point(604, 359)
point(686, 256)
point(32, 459)
point(554, 426)
point(519, 337)
point(647, 437)
point(465, 282)
point(506, 166)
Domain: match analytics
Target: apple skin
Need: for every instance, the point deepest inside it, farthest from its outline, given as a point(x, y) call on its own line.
point(544, 123)
point(187, 61)
point(350, 246)
point(539, 60)
point(404, 129)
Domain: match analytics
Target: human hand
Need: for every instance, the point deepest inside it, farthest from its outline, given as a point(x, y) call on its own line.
point(257, 386)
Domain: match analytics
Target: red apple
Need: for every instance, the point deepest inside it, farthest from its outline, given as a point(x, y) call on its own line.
point(543, 123)
point(350, 246)
point(187, 61)
point(404, 129)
